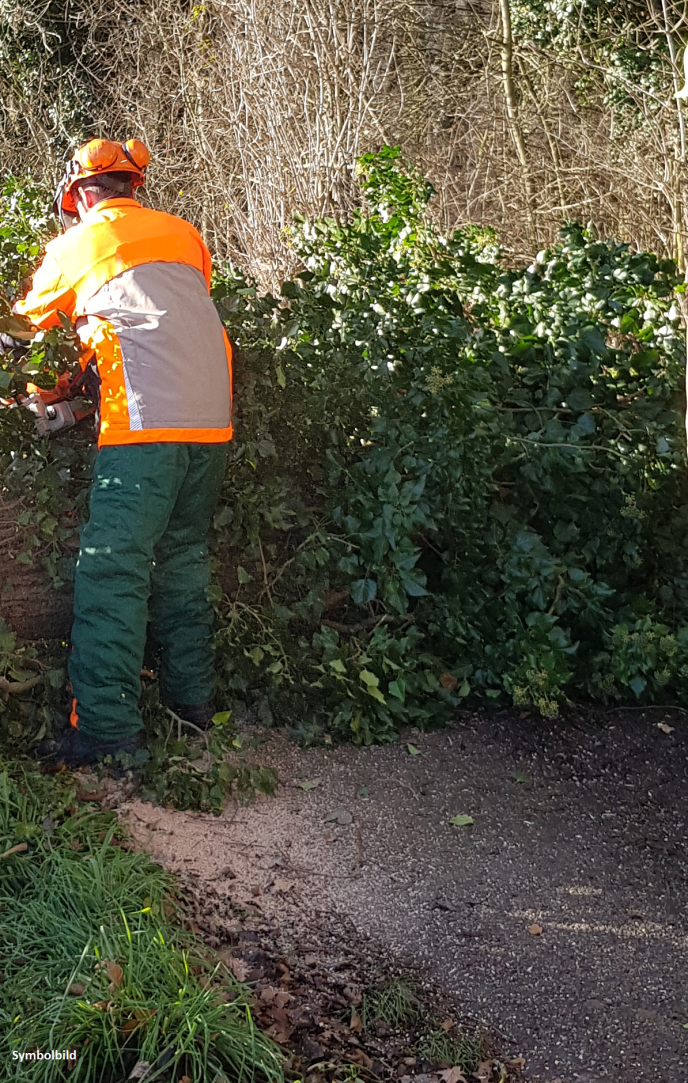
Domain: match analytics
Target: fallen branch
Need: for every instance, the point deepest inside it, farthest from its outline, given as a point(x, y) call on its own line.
point(15, 688)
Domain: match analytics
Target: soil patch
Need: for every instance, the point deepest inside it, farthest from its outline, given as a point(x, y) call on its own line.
point(557, 917)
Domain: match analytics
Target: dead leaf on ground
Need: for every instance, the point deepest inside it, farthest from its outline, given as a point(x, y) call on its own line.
point(518, 1063)
point(453, 1075)
point(280, 884)
point(448, 681)
point(339, 815)
point(310, 785)
point(115, 974)
point(281, 1029)
point(102, 1005)
point(356, 1023)
point(483, 1072)
point(185, 1079)
point(237, 966)
point(665, 728)
point(447, 1024)
point(535, 930)
point(357, 1056)
point(77, 989)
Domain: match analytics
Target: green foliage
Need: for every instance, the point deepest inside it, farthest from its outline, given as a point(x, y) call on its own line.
point(450, 479)
point(197, 770)
point(95, 958)
point(622, 46)
point(495, 458)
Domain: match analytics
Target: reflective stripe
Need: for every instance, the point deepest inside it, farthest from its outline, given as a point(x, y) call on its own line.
point(135, 421)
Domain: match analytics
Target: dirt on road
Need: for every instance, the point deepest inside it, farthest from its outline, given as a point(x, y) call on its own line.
point(558, 916)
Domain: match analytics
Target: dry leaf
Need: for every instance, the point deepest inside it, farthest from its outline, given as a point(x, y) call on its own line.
point(18, 849)
point(268, 994)
point(185, 1079)
point(661, 726)
point(357, 1056)
point(483, 1072)
point(353, 994)
point(356, 1023)
point(77, 989)
point(102, 1005)
point(448, 681)
point(535, 930)
point(447, 1024)
point(281, 1030)
point(115, 974)
point(453, 1075)
point(282, 885)
point(130, 1026)
point(140, 1070)
point(518, 1063)
point(237, 966)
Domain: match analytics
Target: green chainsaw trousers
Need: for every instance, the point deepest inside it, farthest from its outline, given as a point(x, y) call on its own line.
point(144, 556)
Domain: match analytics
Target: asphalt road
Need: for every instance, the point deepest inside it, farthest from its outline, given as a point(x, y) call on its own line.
point(558, 917)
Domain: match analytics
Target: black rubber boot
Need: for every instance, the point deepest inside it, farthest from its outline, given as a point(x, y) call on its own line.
point(76, 749)
point(198, 714)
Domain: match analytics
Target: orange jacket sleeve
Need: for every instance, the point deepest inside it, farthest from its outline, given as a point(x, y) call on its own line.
point(50, 293)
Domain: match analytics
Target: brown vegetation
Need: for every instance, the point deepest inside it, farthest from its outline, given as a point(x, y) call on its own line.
point(256, 108)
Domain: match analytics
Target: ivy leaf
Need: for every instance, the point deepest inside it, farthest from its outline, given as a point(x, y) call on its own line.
point(363, 590)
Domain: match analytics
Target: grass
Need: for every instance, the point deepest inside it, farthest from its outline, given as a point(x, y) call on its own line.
point(462, 1049)
point(94, 957)
point(394, 1003)
point(400, 1005)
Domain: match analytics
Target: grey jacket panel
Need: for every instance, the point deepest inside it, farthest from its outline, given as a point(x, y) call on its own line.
point(173, 350)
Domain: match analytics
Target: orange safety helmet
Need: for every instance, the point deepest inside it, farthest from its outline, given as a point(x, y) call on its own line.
point(96, 158)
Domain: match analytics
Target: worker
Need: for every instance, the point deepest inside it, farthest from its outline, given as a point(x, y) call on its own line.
point(135, 282)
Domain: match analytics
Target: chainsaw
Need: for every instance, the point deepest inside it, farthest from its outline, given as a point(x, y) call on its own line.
point(55, 409)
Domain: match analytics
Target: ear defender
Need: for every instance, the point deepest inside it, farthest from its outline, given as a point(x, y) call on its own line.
point(97, 156)
point(137, 153)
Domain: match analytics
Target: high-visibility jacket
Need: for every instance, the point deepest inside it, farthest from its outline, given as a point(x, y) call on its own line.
point(135, 283)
